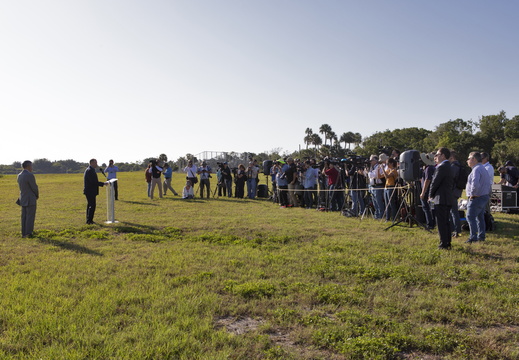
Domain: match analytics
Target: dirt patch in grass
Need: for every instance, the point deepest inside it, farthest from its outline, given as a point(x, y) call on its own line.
point(238, 326)
point(281, 338)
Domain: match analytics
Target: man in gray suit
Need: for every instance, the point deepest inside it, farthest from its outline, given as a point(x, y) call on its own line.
point(28, 195)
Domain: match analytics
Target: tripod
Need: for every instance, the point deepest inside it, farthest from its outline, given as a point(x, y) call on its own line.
point(369, 208)
point(408, 209)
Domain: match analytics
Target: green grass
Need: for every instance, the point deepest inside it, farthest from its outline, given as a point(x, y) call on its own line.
point(240, 279)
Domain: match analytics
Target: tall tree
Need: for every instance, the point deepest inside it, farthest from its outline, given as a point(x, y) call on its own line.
point(357, 139)
point(455, 134)
point(512, 128)
point(163, 158)
point(316, 141)
point(347, 138)
point(492, 129)
point(325, 129)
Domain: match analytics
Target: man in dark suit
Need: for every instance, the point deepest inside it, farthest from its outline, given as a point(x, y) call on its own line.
point(29, 193)
point(91, 190)
point(441, 195)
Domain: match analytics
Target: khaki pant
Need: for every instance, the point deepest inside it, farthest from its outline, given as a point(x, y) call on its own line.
point(167, 185)
point(156, 181)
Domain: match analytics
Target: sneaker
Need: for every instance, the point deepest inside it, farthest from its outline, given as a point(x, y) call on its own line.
point(283, 207)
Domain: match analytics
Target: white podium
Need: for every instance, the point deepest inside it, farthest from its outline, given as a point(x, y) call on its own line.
point(110, 202)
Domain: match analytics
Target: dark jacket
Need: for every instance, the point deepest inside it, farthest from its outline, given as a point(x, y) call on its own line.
point(28, 189)
point(92, 183)
point(442, 183)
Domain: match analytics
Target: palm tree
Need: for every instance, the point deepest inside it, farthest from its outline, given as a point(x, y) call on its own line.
point(309, 131)
point(308, 140)
point(357, 139)
point(347, 138)
point(325, 129)
point(332, 136)
point(316, 141)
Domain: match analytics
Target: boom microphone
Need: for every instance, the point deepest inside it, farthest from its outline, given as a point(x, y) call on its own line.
point(102, 172)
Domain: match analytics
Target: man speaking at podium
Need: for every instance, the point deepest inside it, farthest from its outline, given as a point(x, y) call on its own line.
point(91, 190)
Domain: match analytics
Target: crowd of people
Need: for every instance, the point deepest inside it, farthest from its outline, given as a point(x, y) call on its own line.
point(355, 186)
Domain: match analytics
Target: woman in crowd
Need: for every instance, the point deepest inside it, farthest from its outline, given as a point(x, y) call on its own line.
point(240, 179)
point(391, 175)
point(147, 176)
point(187, 192)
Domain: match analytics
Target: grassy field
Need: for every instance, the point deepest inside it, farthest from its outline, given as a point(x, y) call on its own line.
point(243, 279)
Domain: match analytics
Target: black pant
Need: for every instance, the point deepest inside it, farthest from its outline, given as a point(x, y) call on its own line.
point(207, 184)
point(442, 214)
point(116, 191)
point(91, 208)
point(283, 195)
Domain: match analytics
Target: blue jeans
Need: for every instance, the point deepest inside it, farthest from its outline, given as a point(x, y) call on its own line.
point(390, 198)
point(308, 197)
point(228, 185)
point(455, 217)
point(429, 219)
point(357, 202)
point(251, 188)
point(476, 217)
point(378, 200)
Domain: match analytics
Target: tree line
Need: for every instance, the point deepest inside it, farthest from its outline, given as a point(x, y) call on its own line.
point(495, 134)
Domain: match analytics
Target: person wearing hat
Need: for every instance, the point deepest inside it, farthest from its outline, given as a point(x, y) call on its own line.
point(376, 185)
point(440, 193)
point(427, 175)
point(205, 174)
point(509, 174)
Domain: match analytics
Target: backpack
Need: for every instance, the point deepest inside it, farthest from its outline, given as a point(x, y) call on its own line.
point(461, 181)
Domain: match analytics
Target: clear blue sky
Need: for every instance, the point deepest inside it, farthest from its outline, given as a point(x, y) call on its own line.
point(132, 79)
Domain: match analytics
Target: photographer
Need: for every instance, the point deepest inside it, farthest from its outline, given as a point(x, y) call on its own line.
point(239, 178)
point(376, 184)
point(221, 184)
point(191, 171)
point(310, 184)
point(357, 184)
point(276, 167)
point(291, 175)
point(282, 182)
point(252, 178)
point(391, 175)
point(156, 172)
point(227, 179)
point(334, 180)
point(205, 174)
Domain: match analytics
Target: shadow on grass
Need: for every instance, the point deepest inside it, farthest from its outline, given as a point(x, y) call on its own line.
point(129, 227)
point(472, 250)
point(69, 246)
point(138, 203)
